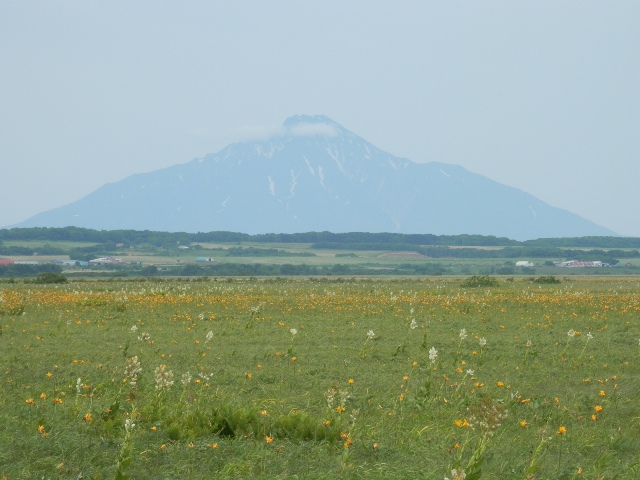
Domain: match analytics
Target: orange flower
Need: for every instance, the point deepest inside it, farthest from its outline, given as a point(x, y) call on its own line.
point(597, 408)
point(88, 418)
point(30, 401)
point(500, 384)
point(351, 381)
point(268, 439)
point(602, 393)
point(561, 431)
point(523, 424)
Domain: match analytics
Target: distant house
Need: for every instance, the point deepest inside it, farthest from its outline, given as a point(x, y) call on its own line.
point(105, 261)
point(70, 263)
point(204, 259)
point(26, 262)
point(6, 262)
point(582, 264)
point(183, 247)
point(524, 263)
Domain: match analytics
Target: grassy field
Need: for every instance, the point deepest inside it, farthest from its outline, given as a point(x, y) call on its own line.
point(255, 258)
point(321, 378)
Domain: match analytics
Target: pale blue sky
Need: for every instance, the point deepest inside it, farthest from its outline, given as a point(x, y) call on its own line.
point(543, 96)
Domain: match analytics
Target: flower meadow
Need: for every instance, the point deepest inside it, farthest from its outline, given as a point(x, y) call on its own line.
point(321, 378)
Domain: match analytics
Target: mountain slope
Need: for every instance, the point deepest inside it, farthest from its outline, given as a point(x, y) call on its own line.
point(315, 175)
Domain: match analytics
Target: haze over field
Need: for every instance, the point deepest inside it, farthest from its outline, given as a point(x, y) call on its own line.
point(542, 97)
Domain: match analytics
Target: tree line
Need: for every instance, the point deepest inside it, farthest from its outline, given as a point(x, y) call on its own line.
point(168, 239)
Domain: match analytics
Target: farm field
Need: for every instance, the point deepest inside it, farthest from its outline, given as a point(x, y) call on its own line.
point(321, 378)
point(218, 254)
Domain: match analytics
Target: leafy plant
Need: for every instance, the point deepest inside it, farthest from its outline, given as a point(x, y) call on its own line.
point(479, 281)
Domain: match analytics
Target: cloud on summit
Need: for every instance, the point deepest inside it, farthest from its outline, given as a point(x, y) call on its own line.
point(261, 133)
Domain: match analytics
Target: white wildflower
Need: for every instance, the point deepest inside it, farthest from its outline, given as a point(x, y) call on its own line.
point(529, 344)
point(164, 378)
point(144, 337)
point(433, 354)
point(209, 336)
point(571, 333)
point(294, 331)
point(589, 336)
point(186, 379)
point(483, 341)
point(370, 334)
point(79, 386)
point(470, 372)
point(134, 329)
point(463, 334)
point(330, 396)
point(129, 425)
point(457, 474)
point(131, 370)
point(414, 324)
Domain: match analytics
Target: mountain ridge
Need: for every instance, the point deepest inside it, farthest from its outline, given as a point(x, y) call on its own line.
point(312, 174)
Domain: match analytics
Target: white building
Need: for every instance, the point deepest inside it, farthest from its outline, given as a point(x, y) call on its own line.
point(524, 263)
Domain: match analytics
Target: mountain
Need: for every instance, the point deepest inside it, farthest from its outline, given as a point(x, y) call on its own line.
point(315, 175)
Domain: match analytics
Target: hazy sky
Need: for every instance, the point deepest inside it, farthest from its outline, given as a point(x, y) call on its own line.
point(539, 95)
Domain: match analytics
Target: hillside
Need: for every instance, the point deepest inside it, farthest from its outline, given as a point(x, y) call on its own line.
point(316, 176)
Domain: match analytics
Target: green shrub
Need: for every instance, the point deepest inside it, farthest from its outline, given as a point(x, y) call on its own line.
point(550, 279)
point(49, 277)
point(480, 281)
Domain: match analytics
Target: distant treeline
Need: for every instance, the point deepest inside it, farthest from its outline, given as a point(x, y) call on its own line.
point(166, 239)
point(607, 256)
point(10, 271)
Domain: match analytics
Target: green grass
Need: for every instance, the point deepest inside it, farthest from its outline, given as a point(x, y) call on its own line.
point(328, 401)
